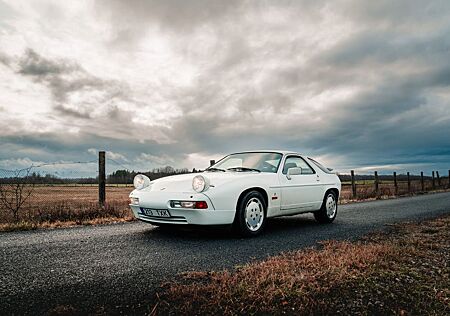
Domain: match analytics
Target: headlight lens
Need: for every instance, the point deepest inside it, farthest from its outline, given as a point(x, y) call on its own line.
point(200, 184)
point(140, 181)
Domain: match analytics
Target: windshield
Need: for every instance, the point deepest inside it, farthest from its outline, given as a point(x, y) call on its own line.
point(262, 162)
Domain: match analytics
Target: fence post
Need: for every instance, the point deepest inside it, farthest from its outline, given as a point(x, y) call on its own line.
point(409, 182)
point(395, 183)
point(376, 184)
point(449, 179)
point(422, 183)
point(439, 179)
point(433, 185)
point(101, 179)
point(352, 172)
point(212, 162)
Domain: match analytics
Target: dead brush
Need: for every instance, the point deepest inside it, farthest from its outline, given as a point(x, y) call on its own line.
point(405, 268)
point(261, 286)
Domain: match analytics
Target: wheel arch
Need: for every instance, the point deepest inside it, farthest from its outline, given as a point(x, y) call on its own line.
point(258, 189)
point(334, 190)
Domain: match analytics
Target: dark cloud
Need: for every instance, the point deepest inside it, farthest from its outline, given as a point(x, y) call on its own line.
point(35, 65)
point(357, 82)
point(68, 147)
point(5, 60)
point(71, 112)
point(65, 77)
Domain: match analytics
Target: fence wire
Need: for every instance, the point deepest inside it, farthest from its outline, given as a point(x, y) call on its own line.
point(68, 191)
point(57, 191)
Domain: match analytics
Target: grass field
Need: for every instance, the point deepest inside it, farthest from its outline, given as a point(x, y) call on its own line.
point(69, 205)
point(403, 272)
point(62, 205)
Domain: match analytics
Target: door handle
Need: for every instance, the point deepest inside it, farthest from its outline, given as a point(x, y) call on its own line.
point(317, 178)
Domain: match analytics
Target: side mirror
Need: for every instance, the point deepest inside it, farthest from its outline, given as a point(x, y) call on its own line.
point(293, 172)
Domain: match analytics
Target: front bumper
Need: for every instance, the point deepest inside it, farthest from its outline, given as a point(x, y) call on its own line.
point(180, 216)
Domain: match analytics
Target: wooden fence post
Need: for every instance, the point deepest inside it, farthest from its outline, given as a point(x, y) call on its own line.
point(422, 182)
point(409, 182)
point(433, 185)
point(439, 179)
point(352, 172)
point(101, 179)
point(395, 183)
point(376, 184)
point(212, 162)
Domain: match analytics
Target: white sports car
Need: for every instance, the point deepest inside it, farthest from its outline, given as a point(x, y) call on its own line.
point(243, 189)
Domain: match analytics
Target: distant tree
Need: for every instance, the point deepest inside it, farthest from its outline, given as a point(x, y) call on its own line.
point(15, 192)
point(126, 176)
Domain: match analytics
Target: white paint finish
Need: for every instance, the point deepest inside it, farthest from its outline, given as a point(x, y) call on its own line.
point(302, 193)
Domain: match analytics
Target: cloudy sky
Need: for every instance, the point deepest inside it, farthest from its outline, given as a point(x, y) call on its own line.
point(357, 84)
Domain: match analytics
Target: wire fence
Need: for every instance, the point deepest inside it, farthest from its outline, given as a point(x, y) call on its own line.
point(379, 187)
point(69, 191)
point(62, 191)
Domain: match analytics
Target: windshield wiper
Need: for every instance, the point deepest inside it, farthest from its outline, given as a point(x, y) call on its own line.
point(215, 169)
point(243, 169)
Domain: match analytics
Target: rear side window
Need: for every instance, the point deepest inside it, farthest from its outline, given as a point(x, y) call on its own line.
point(320, 166)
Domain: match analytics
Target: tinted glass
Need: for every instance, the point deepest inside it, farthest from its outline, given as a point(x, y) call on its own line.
point(322, 167)
point(264, 162)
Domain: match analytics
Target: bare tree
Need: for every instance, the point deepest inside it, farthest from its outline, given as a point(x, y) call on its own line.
point(15, 190)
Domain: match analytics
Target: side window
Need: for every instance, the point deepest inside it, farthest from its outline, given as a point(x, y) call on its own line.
point(297, 162)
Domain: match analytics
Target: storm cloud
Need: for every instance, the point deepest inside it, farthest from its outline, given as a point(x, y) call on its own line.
point(357, 84)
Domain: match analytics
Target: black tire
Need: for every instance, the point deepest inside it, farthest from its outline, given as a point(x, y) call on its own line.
point(322, 215)
point(241, 225)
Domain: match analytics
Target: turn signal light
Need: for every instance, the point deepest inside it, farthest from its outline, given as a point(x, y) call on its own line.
point(201, 205)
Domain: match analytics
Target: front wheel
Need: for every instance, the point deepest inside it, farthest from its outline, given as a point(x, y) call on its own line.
point(251, 214)
point(328, 210)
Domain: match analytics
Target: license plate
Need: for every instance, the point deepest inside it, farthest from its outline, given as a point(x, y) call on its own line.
point(155, 213)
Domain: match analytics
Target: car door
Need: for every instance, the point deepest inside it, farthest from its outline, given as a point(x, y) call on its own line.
point(301, 192)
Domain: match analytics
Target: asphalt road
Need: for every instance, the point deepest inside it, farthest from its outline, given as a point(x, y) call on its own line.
point(120, 266)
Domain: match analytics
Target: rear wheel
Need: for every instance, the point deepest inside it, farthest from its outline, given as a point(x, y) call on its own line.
point(251, 214)
point(328, 211)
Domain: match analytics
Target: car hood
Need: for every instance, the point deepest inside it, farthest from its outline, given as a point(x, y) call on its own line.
point(183, 182)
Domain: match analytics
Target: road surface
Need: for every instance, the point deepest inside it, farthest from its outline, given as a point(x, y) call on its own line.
point(118, 267)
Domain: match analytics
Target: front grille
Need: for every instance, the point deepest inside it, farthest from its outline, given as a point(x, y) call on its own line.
point(172, 219)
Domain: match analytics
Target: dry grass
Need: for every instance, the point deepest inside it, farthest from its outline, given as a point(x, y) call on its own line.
point(404, 272)
point(62, 205)
point(366, 192)
point(24, 225)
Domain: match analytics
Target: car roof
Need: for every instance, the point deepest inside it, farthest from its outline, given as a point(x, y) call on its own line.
point(284, 152)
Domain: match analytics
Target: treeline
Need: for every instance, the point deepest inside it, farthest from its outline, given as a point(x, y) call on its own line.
point(37, 178)
point(117, 177)
point(383, 177)
point(125, 176)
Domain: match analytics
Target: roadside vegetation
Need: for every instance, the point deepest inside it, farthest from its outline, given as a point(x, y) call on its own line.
point(31, 206)
point(403, 272)
point(62, 206)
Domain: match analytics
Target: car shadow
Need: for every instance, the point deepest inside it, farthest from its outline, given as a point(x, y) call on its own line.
point(286, 225)
point(193, 248)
